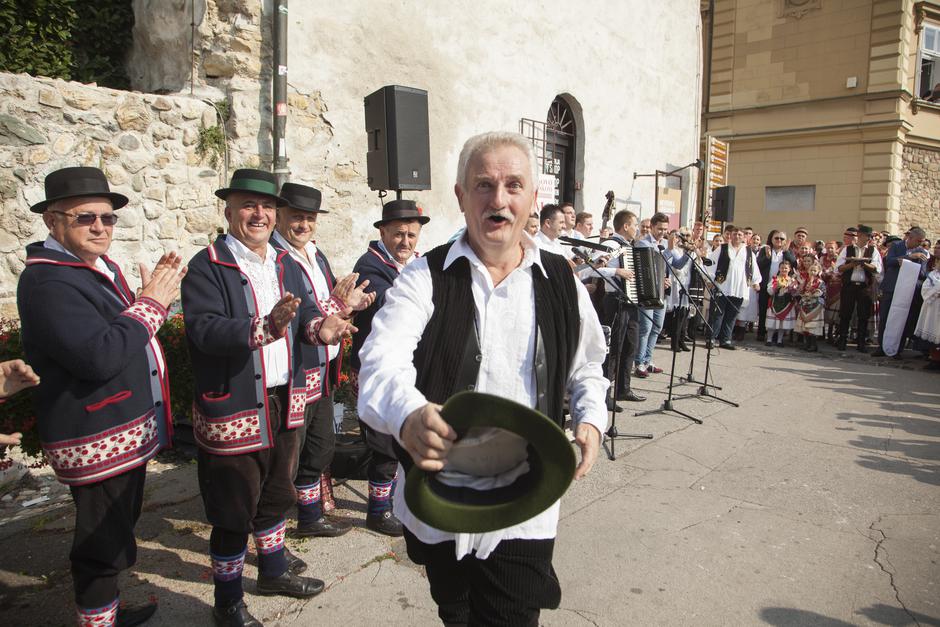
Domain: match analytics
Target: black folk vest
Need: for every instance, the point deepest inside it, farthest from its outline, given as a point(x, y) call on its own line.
point(447, 359)
point(724, 261)
point(854, 251)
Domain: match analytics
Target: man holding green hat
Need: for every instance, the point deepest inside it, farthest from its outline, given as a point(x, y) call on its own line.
point(487, 313)
point(247, 313)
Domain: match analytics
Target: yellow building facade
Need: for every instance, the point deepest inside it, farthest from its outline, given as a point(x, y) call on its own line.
point(826, 106)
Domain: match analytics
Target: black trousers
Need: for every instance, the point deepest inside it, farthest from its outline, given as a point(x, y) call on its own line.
point(383, 463)
point(679, 325)
point(762, 299)
point(104, 543)
point(855, 297)
point(624, 339)
point(252, 491)
point(510, 587)
point(316, 440)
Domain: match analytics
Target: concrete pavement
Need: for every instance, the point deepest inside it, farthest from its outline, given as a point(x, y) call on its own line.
point(813, 503)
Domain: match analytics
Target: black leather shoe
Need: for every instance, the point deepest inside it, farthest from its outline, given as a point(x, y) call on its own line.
point(614, 407)
point(631, 396)
point(878, 353)
point(290, 585)
point(234, 616)
point(323, 528)
point(862, 348)
point(728, 346)
point(684, 347)
point(709, 344)
point(295, 565)
point(385, 523)
point(130, 616)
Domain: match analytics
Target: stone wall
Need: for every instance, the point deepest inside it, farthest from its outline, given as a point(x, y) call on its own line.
point(147, 146)
point(920, 190)
point(630, 70)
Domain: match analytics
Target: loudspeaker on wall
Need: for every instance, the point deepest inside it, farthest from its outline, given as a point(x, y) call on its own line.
point(723, 204)
point(399, 154)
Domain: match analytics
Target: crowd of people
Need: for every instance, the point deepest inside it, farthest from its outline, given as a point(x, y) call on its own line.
point(784, 290)
point(503, 308)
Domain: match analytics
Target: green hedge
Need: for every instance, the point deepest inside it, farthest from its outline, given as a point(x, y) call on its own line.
point(78, 40)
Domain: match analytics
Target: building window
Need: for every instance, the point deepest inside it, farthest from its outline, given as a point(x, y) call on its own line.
point(929, 63)
point(790, 198)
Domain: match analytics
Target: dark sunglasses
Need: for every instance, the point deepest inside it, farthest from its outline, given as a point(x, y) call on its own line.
point(87, 219)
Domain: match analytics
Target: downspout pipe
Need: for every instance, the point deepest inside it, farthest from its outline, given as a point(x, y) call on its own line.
point(706, 101)
point(281, 170)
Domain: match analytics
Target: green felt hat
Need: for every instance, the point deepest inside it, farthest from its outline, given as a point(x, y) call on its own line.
point(252, 182)
point(551, 462)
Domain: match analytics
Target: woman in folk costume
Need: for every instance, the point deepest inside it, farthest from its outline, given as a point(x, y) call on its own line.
point(928, 323)
point(781, 307)
point(833, 279)
point(812, 304)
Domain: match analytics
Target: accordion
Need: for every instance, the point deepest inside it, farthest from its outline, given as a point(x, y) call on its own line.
point(649, 273)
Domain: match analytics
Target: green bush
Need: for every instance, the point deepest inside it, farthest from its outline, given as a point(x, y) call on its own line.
point(69, 39)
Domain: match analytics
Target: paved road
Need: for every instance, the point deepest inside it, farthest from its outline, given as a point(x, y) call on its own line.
point(816, 502)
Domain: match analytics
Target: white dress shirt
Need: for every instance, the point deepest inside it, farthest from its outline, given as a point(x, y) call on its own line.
point(262, 275)
point(776, 256)
point(736, 284)
point(552, 245)
point(307, 258)
point(505, 322)
point(858, 273)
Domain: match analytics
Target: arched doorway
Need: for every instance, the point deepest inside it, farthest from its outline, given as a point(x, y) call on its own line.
point(560, 146)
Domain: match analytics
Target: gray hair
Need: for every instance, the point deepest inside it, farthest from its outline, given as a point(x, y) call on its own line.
point(486, 142)
point(916, 231)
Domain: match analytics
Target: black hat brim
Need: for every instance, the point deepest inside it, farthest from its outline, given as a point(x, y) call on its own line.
point(225, 191)
point(465, 510)
point(117, 200)
point(422, 220)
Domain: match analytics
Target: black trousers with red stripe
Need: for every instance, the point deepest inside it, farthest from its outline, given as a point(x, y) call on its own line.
point(104, 543)
point(509, 587)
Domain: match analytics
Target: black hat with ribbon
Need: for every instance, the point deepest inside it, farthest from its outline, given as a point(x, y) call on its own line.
point(252, 182)
point(519, 461)
point(867, 230)
point(401, 210)
point(302, 197)
point(75, 183)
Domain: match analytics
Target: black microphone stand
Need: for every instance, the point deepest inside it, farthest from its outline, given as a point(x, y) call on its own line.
point(667, 404)
point(713, 290)
point(612, 434)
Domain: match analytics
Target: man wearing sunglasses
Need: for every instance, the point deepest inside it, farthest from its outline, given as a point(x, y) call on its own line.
point(768, 261)
point(103, 403)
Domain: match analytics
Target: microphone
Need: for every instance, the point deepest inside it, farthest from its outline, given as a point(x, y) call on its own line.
point(706, 261)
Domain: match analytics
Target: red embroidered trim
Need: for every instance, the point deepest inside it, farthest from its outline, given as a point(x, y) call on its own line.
point(228, 435)
point(149, 313)
point(102, 454)
point(313, 332)
point(332, 306)
point(314, 380)
point(261, 333)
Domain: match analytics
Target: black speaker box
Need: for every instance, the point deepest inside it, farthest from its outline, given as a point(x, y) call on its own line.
point(723, 204)
point(399, 153)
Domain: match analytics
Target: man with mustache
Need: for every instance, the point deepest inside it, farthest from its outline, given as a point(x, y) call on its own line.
point(490, 312)
point(247, 314)
point(386, 257)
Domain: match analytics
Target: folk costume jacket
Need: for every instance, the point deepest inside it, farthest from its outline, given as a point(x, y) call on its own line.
point(103, 403)
point(319, 371)
point(225, 330)
point(381, 271)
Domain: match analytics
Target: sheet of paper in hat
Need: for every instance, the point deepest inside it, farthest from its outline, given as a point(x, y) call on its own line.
point(505, 321)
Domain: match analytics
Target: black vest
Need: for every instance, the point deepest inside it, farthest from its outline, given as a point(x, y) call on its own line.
point(724, 260)
point(853, 251)
point(447, 359)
